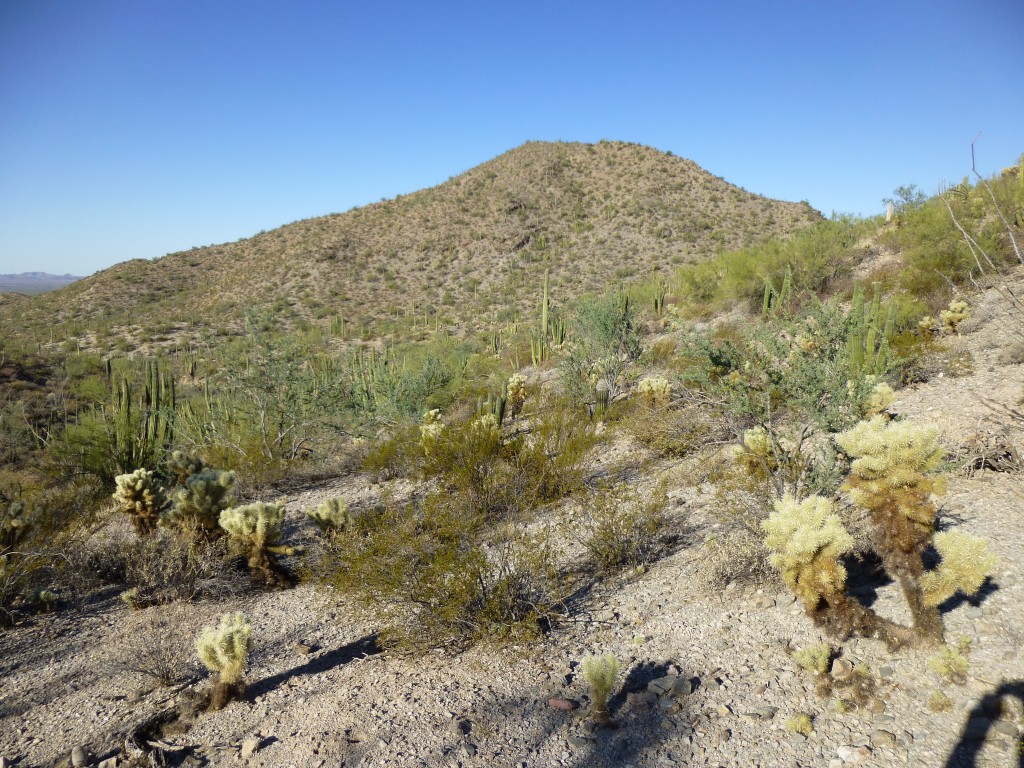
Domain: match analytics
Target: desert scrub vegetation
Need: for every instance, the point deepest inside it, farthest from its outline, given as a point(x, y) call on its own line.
point(441, 574)
point(619, 527)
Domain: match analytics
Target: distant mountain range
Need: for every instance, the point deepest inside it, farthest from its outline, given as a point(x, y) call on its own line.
point(32, 283)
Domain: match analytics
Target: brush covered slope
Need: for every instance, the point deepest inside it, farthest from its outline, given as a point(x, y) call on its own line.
point(473, 249)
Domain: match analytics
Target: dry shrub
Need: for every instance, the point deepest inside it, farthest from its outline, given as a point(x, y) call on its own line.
point(168, 566)
point(737, 555)
point(620, 527)
point(675, 431)
point(158, 646)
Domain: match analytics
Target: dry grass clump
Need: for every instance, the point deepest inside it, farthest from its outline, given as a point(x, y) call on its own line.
point(620, 527)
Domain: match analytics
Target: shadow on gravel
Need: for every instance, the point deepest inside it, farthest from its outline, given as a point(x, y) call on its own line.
point(981, 722)
point(638, 734)
point(322, 662)
point(987, 588)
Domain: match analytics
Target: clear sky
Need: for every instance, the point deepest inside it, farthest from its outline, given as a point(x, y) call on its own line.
point(134, 128)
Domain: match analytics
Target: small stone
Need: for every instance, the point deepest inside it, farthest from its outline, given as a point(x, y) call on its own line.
point(579, 742)
point(79, 757)
point(876, 706)
point(566, 705)
point(723, 710)
point(470, 749)
point(667, 703)
point(303, 649)
point(661, 685)
point(883, 739)
point(724, 735)
point(886, 672)
point(250, 746)
point(842, 669)
point(355, 735)
point(853, 755)
point(110, 762)
point(641, 698)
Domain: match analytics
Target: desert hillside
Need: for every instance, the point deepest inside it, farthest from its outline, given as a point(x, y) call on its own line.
point(758, 506)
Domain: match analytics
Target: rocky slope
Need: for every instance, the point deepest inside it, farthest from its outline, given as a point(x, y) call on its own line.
point(708, 675)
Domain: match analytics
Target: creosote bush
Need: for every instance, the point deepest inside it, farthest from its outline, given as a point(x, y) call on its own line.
point(224, 650)
point(621, 528)
point(444, 572)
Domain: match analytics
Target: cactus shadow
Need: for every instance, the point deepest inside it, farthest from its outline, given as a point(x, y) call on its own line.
point(634, 736)
point(865, 576)
point(979, 724)
point(989, 586)
point(321, 662)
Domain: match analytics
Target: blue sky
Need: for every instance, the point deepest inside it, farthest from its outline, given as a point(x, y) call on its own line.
point(134, 129)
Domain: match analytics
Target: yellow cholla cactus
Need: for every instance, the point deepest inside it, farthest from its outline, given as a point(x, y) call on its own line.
point(965, 564)
point(516, 394)
point(951, 318)
point(879, 398)
point(655, 391)
point(138, 495)
point(331, 515)
point(430, 430)
point(600, 673)
point(224, 650)
point(806, 540)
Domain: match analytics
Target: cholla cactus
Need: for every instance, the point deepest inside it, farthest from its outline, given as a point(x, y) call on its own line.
point(184, 465)
point(806, 540)
point(331, 516)
point(138, 495)
point(965, 563)
point(755, 452)
point(600, 673)
point(199, 503)
point(879, 398)
point(224, 650)
point(655, 391)
point(951, 318)
point(14, 523)
point(926, 324)
point(516, 390)
point(890, 477)
point(485, 427)
point(430, 430)
point(254, 530)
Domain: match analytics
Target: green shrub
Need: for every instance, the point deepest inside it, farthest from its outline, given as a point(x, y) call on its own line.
point(441, 574)
point(620, 527)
